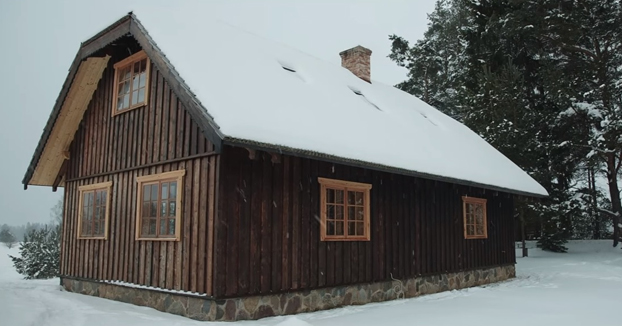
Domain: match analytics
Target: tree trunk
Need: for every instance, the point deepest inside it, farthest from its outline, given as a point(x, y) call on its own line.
point(522, 232)
point(595, 213)
point(614, 192)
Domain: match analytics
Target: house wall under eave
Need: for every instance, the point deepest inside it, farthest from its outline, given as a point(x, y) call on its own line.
point(158, 138)
point(268, 233)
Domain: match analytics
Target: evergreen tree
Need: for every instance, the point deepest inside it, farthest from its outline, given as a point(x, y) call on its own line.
point(584, 39)
point(39, 254)
point(524, 76)
point(7, 237)
point(434, 62)
point(591, 223)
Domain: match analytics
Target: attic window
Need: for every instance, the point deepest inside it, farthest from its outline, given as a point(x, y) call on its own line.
point(359, 93)
point(131, 83)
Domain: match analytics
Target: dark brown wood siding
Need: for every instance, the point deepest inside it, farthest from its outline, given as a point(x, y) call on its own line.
point(157, 138)
point(267, 231)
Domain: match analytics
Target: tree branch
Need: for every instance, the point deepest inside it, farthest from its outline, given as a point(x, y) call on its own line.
point(608, 212)
point(572, 47)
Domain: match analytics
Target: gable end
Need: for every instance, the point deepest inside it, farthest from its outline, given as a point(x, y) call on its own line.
point(128, 25)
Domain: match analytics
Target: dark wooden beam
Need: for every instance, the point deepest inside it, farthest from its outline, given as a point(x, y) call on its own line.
point(61, 174)
point(105, 37)
point(144, 166)
point(276, 158)
point(252, 153)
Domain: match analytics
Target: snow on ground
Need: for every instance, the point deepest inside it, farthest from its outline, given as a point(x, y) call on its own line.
point(581, 287)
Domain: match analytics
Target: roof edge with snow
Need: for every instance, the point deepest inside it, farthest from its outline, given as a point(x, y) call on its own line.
point(368, 165)
point(130, 25)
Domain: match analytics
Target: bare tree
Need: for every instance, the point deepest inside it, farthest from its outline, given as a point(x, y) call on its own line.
point(56, 213)
point(7, 237)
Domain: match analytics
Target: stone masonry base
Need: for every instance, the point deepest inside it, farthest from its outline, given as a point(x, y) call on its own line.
point(255, 307)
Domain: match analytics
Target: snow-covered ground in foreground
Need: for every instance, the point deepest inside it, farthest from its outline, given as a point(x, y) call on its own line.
point(581, 287)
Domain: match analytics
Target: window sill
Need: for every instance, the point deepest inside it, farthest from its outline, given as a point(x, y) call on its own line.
point(157, 239)
point(116, 113)
point(346, 239)
point(92, 238)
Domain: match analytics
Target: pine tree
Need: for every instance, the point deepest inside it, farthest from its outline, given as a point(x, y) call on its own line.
point(7, 237)
point(39, 254)
point(433, 63)
point(509, 85)
point(584, 38)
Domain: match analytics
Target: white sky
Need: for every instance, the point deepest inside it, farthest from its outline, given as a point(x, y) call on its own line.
point(39, 39)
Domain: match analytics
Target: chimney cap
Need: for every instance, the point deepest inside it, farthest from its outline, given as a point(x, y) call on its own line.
point(355, 49)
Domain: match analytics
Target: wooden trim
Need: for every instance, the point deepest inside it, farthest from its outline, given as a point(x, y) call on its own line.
point(345, 186)
point(111, 33)
point(91, 187)
point(161, 176)
point(131, 59)
point(95, 186)
point(477, 201)
point(175, 160)
point(166, 176)
point(138, 56)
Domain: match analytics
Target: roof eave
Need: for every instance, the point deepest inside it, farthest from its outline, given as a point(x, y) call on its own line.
point(118, 29)
point(363, 164)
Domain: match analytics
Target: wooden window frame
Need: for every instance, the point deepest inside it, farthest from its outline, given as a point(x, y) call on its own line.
point(88, 188)
point(138, 56)
point(346, 186)
point(474, 201)
point(178, 176)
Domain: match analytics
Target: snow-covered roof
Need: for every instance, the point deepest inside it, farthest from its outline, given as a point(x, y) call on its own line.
point(261, 91)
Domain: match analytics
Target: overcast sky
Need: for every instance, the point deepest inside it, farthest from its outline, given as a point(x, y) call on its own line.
point(39, 39)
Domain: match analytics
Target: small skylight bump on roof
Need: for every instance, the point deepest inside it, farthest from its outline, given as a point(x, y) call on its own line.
point(359, 93)
point(425, 116)
point(289, 68)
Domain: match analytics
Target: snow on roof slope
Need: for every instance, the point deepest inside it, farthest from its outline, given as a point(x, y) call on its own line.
point(240, 79)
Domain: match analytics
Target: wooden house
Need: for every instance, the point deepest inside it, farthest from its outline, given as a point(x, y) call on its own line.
point(214, 174)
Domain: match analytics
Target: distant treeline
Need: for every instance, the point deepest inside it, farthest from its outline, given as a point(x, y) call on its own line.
point(20, 230)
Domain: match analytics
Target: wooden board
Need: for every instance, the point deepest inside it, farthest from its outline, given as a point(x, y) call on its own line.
point(120, 148)
point(414, 231)
point(79, 95)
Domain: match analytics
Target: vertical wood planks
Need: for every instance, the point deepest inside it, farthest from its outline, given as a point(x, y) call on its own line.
point(115, 148)
point(416, 228)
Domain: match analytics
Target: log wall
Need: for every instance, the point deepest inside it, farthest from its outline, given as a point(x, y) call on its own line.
point(157, 138)
point(267, 232)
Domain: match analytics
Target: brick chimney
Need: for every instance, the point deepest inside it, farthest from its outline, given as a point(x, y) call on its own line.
point(357, 60)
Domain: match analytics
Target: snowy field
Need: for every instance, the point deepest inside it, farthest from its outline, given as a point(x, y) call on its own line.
point(581, 287)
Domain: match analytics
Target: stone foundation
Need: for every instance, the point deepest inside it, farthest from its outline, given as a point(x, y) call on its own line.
point(255, 307)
